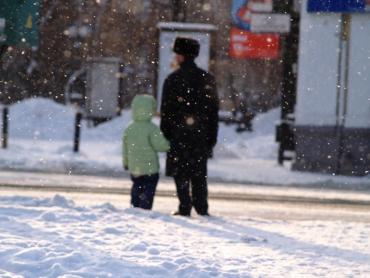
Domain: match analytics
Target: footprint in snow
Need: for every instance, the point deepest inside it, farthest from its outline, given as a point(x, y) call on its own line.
point(248, 239)
point(113, 231)
point(140, 247)
point(154, 251)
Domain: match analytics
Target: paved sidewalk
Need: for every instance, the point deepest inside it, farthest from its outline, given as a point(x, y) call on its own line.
point(217, 190)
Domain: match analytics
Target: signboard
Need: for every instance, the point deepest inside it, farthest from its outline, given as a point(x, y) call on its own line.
point(168, 34)
point(338, 6)
point(21, 22)
point(270, 23)
point(250, 18)
point(245, 44)
point(241, 11)
point(102, 88)
point(261, 6)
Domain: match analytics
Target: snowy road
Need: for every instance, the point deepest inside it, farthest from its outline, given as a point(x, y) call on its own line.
point(226, 199)
point(271, 210)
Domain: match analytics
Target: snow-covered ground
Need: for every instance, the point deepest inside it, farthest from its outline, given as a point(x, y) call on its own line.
point(41, 133)
point(55, 237)
point(47, 235)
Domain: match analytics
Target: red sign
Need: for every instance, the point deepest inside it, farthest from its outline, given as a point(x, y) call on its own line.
point(244, 44)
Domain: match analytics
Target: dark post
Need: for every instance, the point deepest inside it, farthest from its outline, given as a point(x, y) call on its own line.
point(76, 140)
point(3, 49)
point(285, 131)
point(5, 127)
point(344, 63)
point(175, 10)
point(290, 58)
point(4, 138)
point(178, 10)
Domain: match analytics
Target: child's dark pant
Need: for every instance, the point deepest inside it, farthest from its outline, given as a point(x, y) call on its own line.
point(143, 191)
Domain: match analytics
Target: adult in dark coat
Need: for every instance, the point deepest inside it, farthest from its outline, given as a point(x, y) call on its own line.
point(189, 120)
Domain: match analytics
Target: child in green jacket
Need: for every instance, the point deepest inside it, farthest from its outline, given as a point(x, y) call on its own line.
point(142, 140)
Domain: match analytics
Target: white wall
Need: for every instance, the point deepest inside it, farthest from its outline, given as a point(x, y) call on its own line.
point(103, 87)
point(317, 94)
point(358, 114)
point(317, 68)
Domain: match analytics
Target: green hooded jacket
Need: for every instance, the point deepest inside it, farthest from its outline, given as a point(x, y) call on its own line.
point(142, 140)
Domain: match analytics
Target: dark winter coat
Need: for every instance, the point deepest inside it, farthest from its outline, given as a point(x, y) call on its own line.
point(189, 118)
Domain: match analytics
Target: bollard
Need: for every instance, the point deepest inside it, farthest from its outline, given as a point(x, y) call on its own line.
point(76, 140)
point(5, 127)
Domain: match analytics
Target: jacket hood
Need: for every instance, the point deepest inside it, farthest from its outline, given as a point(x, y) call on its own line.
point(143, 108)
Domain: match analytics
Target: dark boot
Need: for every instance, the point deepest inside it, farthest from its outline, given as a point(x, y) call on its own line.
point(183, 193)
point(200, 194)
point(177, 213)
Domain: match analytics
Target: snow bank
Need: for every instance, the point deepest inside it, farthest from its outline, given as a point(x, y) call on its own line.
point(41, 134)
point(53, 237)
point(257, 144)
point(41, 119)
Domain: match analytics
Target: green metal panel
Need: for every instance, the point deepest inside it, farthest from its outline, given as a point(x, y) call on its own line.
point(22, 18)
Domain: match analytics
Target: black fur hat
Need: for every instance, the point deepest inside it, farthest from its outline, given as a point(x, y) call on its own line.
point(187, 47)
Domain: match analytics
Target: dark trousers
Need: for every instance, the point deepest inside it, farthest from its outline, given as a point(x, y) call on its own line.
point(143, 190)
point(198, 197)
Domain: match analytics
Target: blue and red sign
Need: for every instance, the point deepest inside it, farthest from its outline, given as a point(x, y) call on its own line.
point(247, 45)
point(338, 6)
point(241, 14)
point(242, 10)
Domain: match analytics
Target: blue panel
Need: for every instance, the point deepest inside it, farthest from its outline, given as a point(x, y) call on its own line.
point(336, 6)
point(237, 5)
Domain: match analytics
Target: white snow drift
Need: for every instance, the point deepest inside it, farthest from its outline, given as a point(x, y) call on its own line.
point(53, 237)
point(41, 134)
